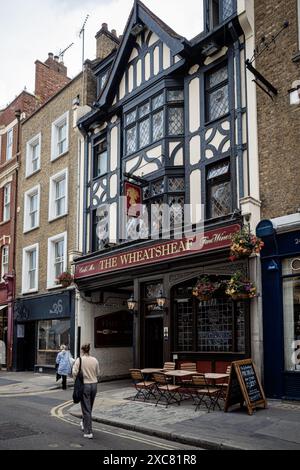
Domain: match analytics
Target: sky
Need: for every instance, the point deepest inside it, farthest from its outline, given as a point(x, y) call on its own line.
point(32, 28)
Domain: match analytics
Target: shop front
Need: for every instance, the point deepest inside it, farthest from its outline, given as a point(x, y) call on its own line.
point(168, 321)
point(3, 335)
point(42, 324)
point(281, 305)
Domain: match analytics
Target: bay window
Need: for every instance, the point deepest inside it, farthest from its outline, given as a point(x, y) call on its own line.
point(217, 93)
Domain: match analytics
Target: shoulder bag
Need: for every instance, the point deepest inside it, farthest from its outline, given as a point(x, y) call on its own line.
point(78, 385)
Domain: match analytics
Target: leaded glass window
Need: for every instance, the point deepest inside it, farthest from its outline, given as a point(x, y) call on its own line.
point(158, 125)
point(219, 190)
point(176, 204)
point(175, 95)
point(227, 9)
point(144, 133)
point(176, 184)
point(175, 123)
point(214, 326)
point(158, 101)
point(217, 91)
point(130, 117)
point(100, 158)
point(157, 187)
point(144, 109)
point(131, 140)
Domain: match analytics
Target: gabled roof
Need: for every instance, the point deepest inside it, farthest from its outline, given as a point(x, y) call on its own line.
point(139, 14)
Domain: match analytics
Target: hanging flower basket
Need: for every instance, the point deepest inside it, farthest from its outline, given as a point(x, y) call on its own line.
point(206, 289)
point(65, 279)
point(239, 288)
point(244, 244)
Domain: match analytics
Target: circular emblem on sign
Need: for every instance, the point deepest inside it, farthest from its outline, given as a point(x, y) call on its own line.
point(296, 264)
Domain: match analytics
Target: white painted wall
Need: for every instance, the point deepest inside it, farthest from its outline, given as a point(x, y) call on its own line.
point(194, 104)
point(114, 362)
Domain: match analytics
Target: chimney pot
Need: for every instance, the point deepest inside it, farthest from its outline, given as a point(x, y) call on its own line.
point(114, 32)
point(50, 55)
point(56, 58)
point(105, 26)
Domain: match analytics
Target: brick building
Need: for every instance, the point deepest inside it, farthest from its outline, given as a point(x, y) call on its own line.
point(49, 77)
point(279, 152)
point(49, 221)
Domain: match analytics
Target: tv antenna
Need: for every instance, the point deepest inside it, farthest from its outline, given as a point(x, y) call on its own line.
point(62, 53)
point(81, 33)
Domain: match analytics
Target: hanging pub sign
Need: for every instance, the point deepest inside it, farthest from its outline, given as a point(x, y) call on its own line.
point(134, 198)
point(244, 387)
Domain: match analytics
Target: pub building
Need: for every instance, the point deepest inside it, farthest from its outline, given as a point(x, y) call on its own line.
point(174, 124)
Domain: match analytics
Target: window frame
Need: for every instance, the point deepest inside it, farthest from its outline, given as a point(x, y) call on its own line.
point(54, 179)
point(36, 190)
point(164, 108)
point(51, 275)
point(6, 204)
point(9, 144)
point(218, 179)
point(3, 271)
point(56, 125)
point(29, 154)
point(25, 269)
point(97, 142)
point(209, 90)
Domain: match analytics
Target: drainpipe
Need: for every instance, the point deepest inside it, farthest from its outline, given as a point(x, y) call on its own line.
point(237, 48)
point(85, 187)
point(10, 279)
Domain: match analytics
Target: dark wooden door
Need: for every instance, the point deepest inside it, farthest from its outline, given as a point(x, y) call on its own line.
point(154, 342)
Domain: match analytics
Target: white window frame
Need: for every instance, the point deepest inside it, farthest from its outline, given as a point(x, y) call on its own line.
point(9, 144)
point(52, 190)
point(64, 118)
point(3, 269)
point(36, 140)
point(27, 196)
point(51, 277)
point(25, 269)
point(7, 203)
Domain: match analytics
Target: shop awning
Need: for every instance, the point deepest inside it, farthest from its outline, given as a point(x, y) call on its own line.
point(2, 307)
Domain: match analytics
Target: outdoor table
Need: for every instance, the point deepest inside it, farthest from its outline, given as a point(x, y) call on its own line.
point(151, 371)
point(213, 377)
point(179, 373)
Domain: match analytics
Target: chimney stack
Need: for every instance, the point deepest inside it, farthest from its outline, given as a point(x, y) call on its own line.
point(106, 42)
point(50, 77)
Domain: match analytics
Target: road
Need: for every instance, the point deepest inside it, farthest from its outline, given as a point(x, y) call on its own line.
point(42, 422)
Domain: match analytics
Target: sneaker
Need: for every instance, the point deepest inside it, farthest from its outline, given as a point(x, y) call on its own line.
point(81, 426)
point(88, 436)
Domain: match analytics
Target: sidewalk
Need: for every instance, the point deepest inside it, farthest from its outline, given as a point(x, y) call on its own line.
point(278, 427)
point(18, 383)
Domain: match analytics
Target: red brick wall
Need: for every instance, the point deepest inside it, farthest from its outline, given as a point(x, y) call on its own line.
point(48, 81)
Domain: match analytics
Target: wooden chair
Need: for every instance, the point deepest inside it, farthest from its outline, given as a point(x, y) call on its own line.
point(188, 366)
point(166, 391)
point(224, 386)
point(143, 387)
point(201, 390)
point(169, 366)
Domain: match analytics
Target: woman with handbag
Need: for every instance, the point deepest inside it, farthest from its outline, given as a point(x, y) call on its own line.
point(88, 368)
point(64, 362)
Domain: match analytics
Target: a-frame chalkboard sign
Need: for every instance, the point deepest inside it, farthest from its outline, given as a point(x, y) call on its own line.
point(244, 387)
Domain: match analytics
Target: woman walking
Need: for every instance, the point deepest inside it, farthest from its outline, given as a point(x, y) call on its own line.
point(91, 372)
point(65, 362)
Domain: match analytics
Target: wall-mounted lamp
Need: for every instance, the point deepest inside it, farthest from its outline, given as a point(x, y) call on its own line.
point(132, 304)
point(161, 300)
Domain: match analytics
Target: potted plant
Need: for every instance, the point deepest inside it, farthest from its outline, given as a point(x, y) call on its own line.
point(65, 279)
point(244, 243)
point(238, 287)
point(205, 289)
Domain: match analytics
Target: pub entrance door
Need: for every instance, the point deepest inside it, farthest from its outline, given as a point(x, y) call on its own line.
point(154, 353)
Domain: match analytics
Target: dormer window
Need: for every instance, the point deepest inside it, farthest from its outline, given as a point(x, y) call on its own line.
point(218, 11)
